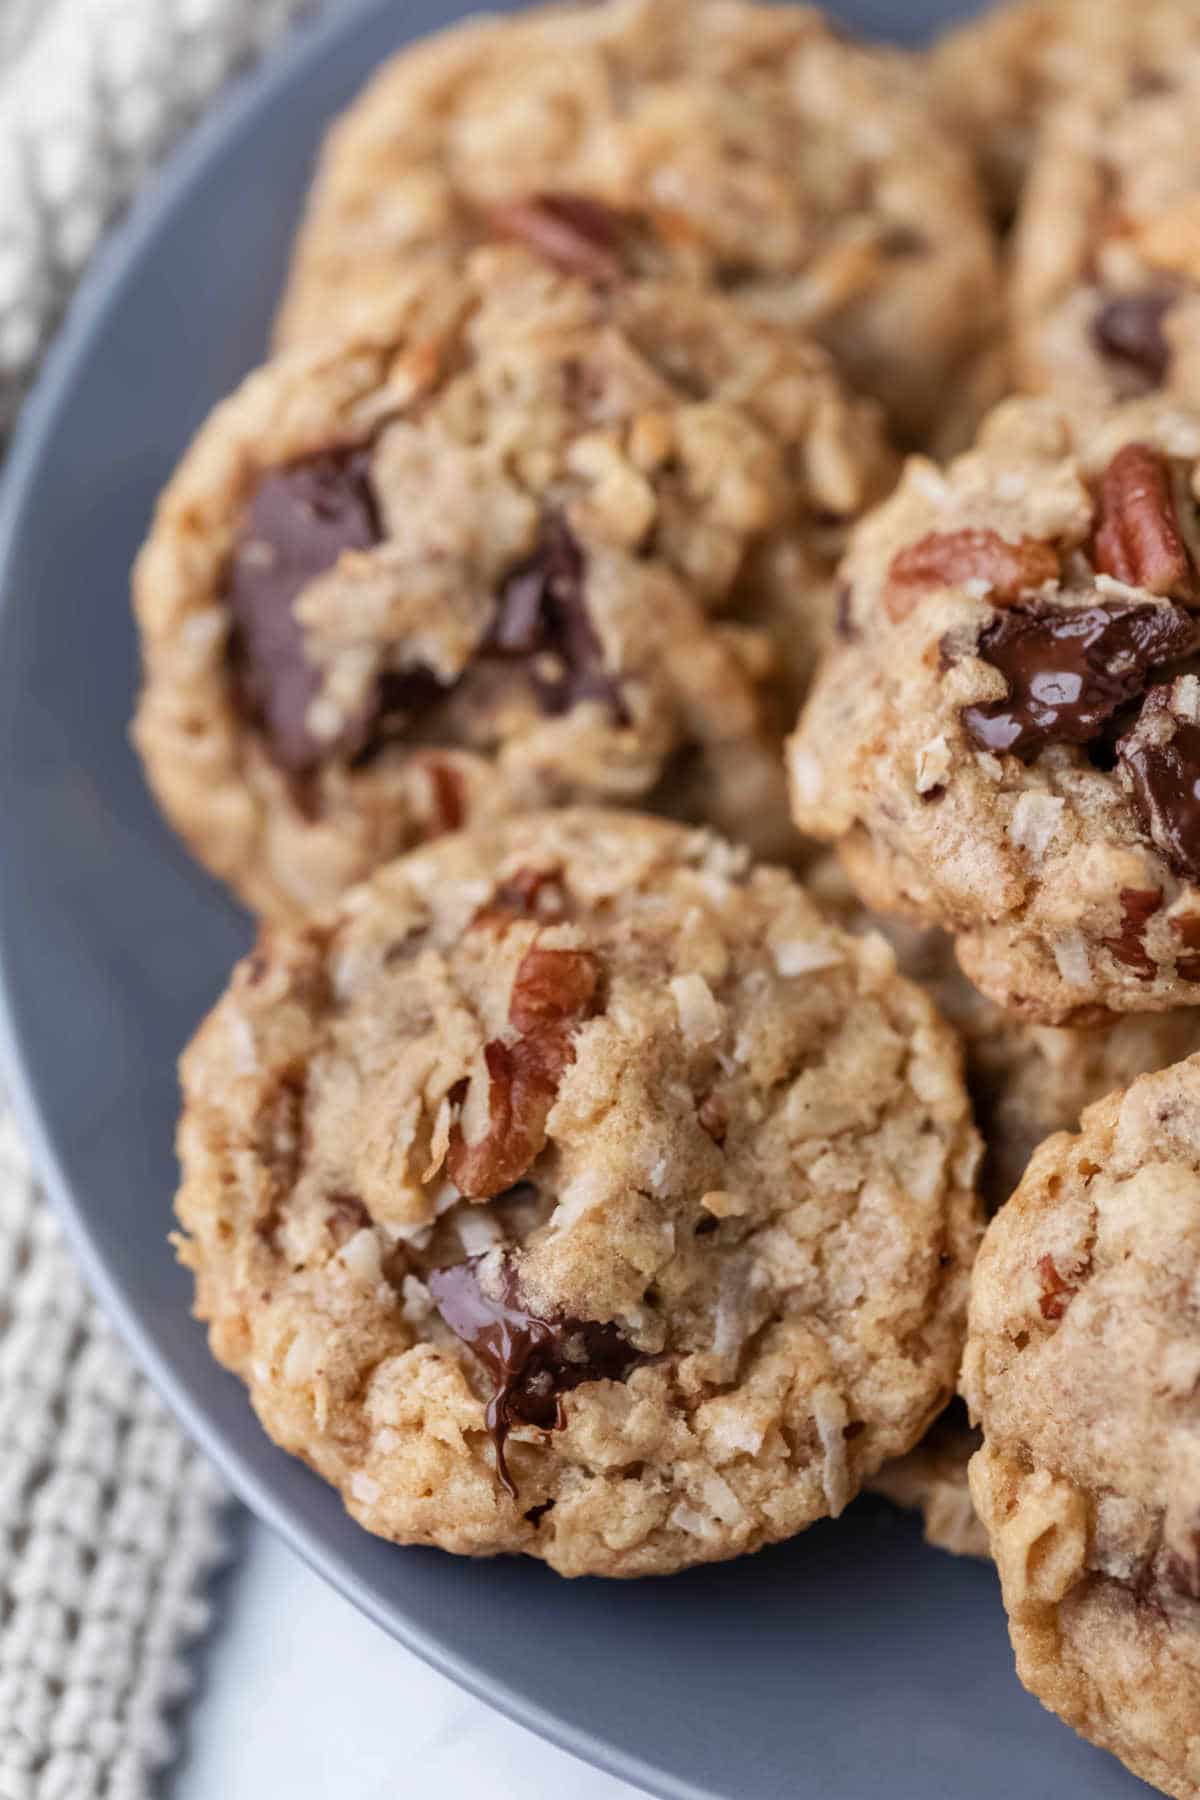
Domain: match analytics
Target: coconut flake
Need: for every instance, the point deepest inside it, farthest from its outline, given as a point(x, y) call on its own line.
point(477, 1230)
point(933, 764)
point(831, 1419)
point(701, 1016)
point(1070, 953)
point(800, 956)
point(303, 1358)
point(1035, 823)
point(807, 780)
point(361, 1257)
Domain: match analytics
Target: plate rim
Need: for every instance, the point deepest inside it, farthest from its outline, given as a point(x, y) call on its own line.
point(111, 265)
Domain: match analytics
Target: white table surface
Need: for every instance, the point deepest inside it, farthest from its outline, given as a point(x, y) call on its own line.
point(300, 1696)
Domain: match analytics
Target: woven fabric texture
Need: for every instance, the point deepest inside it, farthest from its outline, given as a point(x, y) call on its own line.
point(110, 1523)
point(92, 93)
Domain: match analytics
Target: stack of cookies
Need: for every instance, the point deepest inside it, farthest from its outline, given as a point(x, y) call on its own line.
point(691, 648)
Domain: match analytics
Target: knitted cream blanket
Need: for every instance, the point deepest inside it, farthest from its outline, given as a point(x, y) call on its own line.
point(109, 1520)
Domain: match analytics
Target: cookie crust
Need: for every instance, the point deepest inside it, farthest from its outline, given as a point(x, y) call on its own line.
point(585, 552)
point(1081, 1368)
point(750, 1159)
point(998, 742)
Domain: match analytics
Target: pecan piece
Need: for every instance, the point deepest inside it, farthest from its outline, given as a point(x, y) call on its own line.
point(527, 894)
point(553, 992)
point(952, 558)
point(448, 791)
point(576, 234)
point(1056, 1294)
point(1137, 538)
point(1138, 907)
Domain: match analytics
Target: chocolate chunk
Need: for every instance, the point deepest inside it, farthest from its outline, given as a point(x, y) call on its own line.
point(578, 235)
point(1159, 760)
point(1128, 329)
point(1070, 669)
point(542, 616)
point(299, 521)
point(1138, 907)
point(533, 1361)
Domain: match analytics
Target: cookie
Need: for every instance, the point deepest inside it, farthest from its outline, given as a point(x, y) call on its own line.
point(1081, 1368)
point(932, 1480)
point(574, 1188)
point(757, 151)
point(1026, 1081)
point(1002, 741)
point(519, 540)
point(1106, 264)
point(995, 78)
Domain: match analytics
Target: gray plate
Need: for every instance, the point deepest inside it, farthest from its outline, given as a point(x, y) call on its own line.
point(850, 1664)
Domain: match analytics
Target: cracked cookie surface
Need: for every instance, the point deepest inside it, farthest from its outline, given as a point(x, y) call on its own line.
point(576, 1189)
point(1005, 740)
point(1082, 1366)
point(519, 541)
point(748, 146)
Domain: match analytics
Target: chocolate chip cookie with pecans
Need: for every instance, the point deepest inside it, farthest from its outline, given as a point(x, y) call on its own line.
point(1082, 1367)
point(997, 77)
point(1106, 265)
point(746, 147)
point(519, 540)
point(576, 1188)
point(1006, 741)
point(1026, 1082)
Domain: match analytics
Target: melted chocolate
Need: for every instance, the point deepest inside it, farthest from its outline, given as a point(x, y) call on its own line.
point(1128, 329)
point(299, 521)
point(1163, 780)
point(1069, 670)
point(542, 616)
point(533, 1361)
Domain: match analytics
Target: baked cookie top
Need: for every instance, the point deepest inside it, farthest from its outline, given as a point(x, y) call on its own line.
point(753, 147)
point(996, 77)
point(1003, 739)
point(1082, 1367)
point(520, 539)
point(575, 1189)
point(1106, 264)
